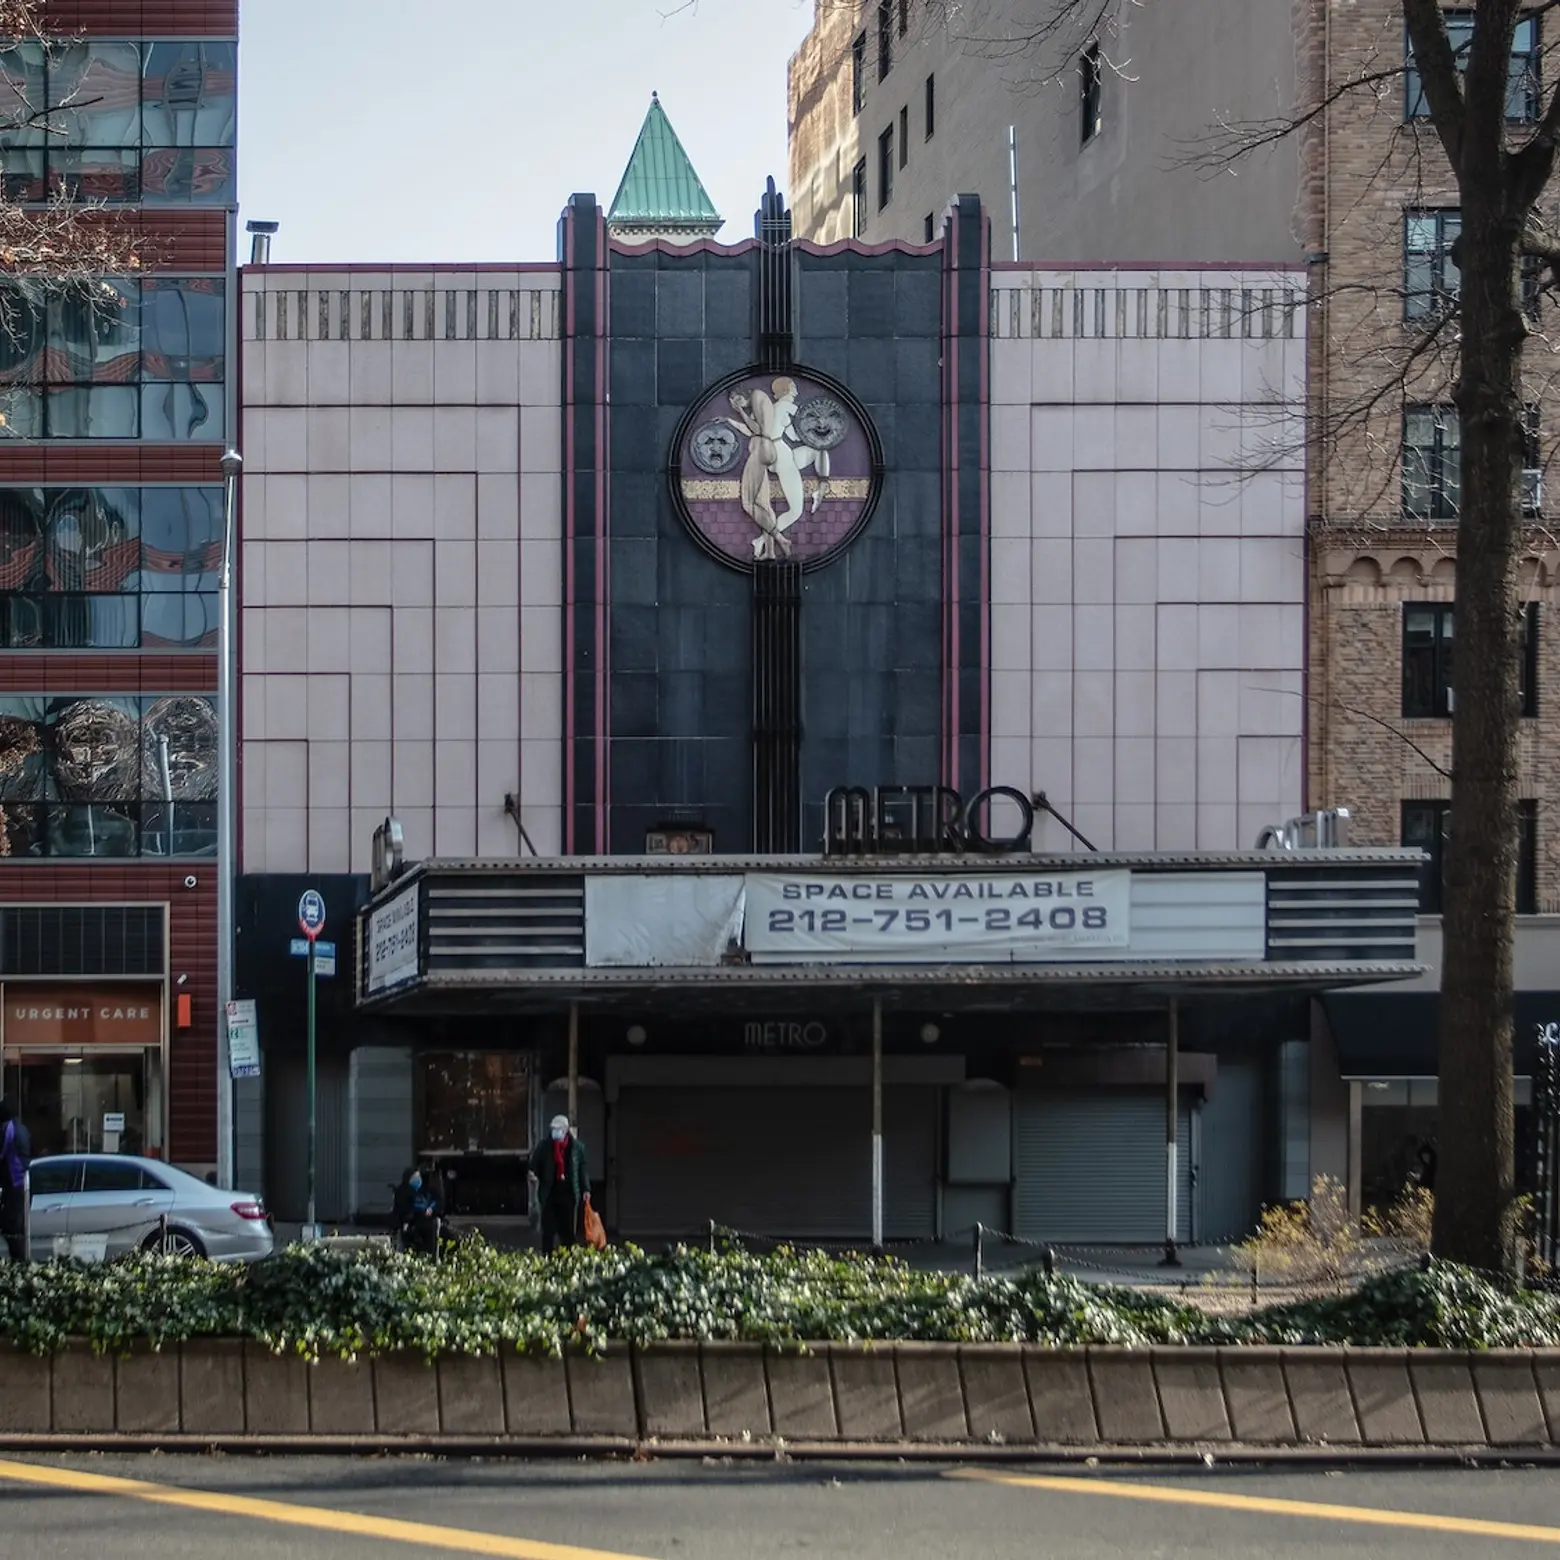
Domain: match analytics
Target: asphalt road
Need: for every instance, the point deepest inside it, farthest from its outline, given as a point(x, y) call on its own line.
point(188, 1508)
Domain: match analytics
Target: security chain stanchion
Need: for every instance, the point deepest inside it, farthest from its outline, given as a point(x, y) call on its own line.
point(980, 1250)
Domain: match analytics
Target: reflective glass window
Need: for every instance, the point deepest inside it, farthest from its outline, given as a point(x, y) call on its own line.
point(183, 328)
point(94, 93)
point(198, 175)
point(109, 568)
point(189, 94)
point(99, 775)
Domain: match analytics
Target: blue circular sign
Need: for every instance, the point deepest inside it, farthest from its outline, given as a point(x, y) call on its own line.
point(311, 913)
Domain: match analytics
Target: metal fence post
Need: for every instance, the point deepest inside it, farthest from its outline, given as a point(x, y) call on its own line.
point(980, 1249)
point(27, 1255)
point(712, 1237)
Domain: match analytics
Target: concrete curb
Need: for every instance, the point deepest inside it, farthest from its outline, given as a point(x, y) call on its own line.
point(741, 1399)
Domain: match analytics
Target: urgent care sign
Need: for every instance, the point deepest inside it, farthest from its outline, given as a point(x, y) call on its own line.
point(81, 1015)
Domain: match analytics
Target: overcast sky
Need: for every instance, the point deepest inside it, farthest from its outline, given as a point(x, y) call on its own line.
point(404, 130)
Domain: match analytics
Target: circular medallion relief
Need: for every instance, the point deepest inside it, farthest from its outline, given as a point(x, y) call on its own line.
point(773, 467)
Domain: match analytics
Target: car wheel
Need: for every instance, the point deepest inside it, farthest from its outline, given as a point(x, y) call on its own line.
point(176, 1243)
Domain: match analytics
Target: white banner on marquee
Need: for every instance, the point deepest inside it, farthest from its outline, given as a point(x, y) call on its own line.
point(934, 918)
point(392, 943)
point(667, 921)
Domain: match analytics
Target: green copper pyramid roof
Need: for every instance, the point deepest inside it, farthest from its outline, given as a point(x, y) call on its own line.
point(660, 188)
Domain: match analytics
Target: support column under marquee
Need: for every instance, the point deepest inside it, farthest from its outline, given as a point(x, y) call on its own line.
point(1172, 1117)
point(877, 1124)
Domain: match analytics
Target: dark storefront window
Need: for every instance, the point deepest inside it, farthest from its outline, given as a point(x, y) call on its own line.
point(1425, 826)
point(475, 1102)
point(109, 568)
point(1399, 1129)
point(108, 776)
point(474, 1125)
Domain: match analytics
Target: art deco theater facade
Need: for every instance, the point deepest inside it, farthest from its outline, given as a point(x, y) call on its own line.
point(825, 698)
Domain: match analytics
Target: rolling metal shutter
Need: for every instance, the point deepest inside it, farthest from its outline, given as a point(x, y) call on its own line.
point(1090, 1168)
point(778, 1162)
point(910, 1162)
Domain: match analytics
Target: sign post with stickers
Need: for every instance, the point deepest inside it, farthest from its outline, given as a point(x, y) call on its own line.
point(311, 922)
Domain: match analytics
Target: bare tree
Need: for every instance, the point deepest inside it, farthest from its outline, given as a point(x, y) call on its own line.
point(62, 245)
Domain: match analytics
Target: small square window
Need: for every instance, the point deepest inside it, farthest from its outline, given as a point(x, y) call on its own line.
point(929, 229)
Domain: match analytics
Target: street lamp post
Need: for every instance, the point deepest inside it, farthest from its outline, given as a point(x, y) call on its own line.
point(227, 809)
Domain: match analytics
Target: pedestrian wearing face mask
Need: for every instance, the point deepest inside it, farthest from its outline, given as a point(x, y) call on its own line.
point(562, 1185)
point(418, 1209)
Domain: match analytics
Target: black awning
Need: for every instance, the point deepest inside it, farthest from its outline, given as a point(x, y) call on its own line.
point(1392, 1034)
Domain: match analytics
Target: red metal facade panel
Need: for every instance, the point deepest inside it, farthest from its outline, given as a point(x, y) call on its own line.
point(192, 918)
point(144, 18)
point(175, 240)
point(85, 465)
point(62, 672)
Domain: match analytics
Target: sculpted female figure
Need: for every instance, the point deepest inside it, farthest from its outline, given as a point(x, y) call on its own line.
point(775, 447)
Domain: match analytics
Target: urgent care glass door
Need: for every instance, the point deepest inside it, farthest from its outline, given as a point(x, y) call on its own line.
point(71, 1102)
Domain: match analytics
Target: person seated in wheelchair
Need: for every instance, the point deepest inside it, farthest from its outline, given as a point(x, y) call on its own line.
point(419, 1212)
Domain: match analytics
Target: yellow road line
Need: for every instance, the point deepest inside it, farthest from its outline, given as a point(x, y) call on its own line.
point(317, 1517)
point(1269, 1506)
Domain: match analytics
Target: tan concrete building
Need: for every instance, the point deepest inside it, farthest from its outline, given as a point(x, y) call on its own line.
point(897, 107)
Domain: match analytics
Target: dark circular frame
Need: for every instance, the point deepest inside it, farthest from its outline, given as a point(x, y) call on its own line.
point(688, 422)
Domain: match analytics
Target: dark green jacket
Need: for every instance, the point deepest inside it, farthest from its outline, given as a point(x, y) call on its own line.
point(544, 1166)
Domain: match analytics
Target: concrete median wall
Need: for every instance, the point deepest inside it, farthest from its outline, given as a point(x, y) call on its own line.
point(997, 1395)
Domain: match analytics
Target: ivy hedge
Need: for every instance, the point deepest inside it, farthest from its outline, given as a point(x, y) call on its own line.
point(320, 1300)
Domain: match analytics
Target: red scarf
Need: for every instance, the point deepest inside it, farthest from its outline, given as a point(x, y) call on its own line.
point(560, 1147)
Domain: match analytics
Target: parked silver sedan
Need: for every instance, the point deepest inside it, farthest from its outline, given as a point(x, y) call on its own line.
point(102, 1205)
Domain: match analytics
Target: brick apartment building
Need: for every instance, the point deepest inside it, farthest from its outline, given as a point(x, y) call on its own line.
point(110, 535)
point(1092, 144)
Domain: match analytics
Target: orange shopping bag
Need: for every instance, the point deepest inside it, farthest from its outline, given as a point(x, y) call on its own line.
point(595, 1230)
